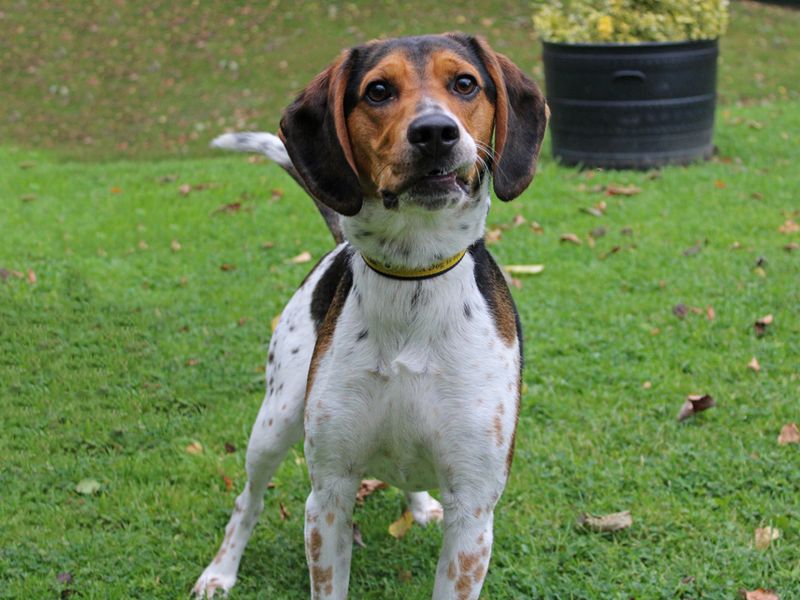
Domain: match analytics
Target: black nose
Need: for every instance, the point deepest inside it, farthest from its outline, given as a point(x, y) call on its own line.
point(433, 135)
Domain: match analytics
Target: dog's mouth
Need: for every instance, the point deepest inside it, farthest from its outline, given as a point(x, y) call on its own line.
point(438, 181)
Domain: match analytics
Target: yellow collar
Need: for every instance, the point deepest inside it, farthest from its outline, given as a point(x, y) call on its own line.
point(404, 273)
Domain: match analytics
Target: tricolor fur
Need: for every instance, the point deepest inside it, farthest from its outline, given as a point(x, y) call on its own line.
point(416, 382)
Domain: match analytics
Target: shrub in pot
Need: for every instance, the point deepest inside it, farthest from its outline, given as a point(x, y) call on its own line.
point(631, 83)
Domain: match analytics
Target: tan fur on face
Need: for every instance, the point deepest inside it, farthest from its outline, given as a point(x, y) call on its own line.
point(378, 134)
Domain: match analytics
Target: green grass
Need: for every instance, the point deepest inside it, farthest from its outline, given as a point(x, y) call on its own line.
point(126, 349)
point(101, 80)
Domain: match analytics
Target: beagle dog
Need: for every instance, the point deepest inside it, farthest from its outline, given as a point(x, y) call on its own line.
point(400, 355)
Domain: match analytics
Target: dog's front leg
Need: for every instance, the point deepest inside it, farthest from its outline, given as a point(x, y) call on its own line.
point(329, 534)
point(466, 550)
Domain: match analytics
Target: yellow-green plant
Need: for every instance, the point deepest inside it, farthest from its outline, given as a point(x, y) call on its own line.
point(607, 21)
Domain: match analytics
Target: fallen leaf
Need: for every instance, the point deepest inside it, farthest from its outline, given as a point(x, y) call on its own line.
point(267, 245)
point(696, 249)
point(789, 227)
point(228, 482)
point(757, 196)
point(404, 575)
point(592, 210)
point(175, 245)
point(759, 594)
point(790, 434)
point(184, 189)
point(710, 313)
point(680, 310)
point(571, 238)
point(28, 197)
point(367, 487)
point(277, 194)
point(791, 246)
point(88, 487)
point(116, 190)
point(524, 269)
point(622, 190)
point(720, 185)
point(231, 207)
point(518, 220)
point(194, 448)
point(143, 245)
point(191, 362)
point(274, 322)
point(536, 227)
point(736, 246)
point(626, 231)
point(760, 272)
point(765, 536)
point(27, 165)
point(597, 232)
point(494, 235)
point(647, 385)
point(400, 528)
point(606, 523)
point(303, 257)
point(357, 539)
point(516, 283)
point(229, 448)
point(284, 513)
point(753, 364)
point(227, 267)
point(761, 325)
point(694, 404)
point(613, 250)
point(31, 277)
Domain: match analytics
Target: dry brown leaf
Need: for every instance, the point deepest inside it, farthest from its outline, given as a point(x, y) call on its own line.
point(720, 185)
point(754, 365)
point(194, 448)
point(231, 207)
point(597, 232)
point(229, 448)
point(761, 325)
point(175, 245)
point(227, 267)
point(647, 385)
point(765, 535)
point(791, 246)
point(759, 594)
point(31, 277)
point(116, 190)
point(696, 249)
point(680, 310)
point(536, 227)
point(622, 190)
point(285, 514)
point(493, 235)
point(694, 404)
point(301, 258)
point(274, 322)
point(789, 227)
point(367, 487)
point(606, 523)
point(790, 434)
point(400, 528)
point(191, 362)
point(571, 238)
point(523, 269)
point(143, 245)
point(519, 220)
point(710, 313)
point(184, 189)
point(228, 482)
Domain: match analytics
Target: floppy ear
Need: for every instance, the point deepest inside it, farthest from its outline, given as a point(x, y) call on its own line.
point(519, 122)
point(314, 131)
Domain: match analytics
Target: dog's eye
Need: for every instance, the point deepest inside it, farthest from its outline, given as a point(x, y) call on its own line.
point(465, 85)
point(378, 92)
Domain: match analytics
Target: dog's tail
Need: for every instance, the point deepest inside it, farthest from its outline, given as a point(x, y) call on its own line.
point(273, 148)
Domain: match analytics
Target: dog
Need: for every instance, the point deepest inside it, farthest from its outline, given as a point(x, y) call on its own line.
point(400, 355)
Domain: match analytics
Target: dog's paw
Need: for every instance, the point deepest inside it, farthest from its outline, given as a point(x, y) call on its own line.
point(211, 582)
point(426, 509)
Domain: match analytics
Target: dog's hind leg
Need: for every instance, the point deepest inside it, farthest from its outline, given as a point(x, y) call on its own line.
point(278, 426)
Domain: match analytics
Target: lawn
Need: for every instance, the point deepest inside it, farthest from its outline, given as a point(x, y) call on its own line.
point(135, 304)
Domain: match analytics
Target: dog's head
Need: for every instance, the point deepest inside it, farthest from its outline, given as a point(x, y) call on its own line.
point(421, 119)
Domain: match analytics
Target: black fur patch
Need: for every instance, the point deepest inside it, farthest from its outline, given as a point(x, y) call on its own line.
point(489, 278)
point(325, 289)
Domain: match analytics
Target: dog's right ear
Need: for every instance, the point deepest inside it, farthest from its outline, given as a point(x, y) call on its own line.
point(314, 131)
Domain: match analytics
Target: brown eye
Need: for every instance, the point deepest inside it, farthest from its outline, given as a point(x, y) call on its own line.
point(378, 92)
point(465, 85)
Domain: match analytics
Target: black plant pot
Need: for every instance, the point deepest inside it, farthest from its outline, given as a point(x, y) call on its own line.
point(631, 106)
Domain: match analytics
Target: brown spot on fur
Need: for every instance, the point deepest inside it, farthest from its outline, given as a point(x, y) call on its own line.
point(466, 562)
point(451, 571)
point(478, 512)
point(218, 557)
point(464, 585)
point(315, 544)
point(498, 430)
point(270, 422)
point(329, 589)
point(329, 518)
point(321, 577)
point(480, 540)
point(510, 455)
point(479, 573)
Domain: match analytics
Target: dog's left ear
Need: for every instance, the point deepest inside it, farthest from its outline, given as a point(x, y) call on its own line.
point(519, 122)
point(314, 131)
